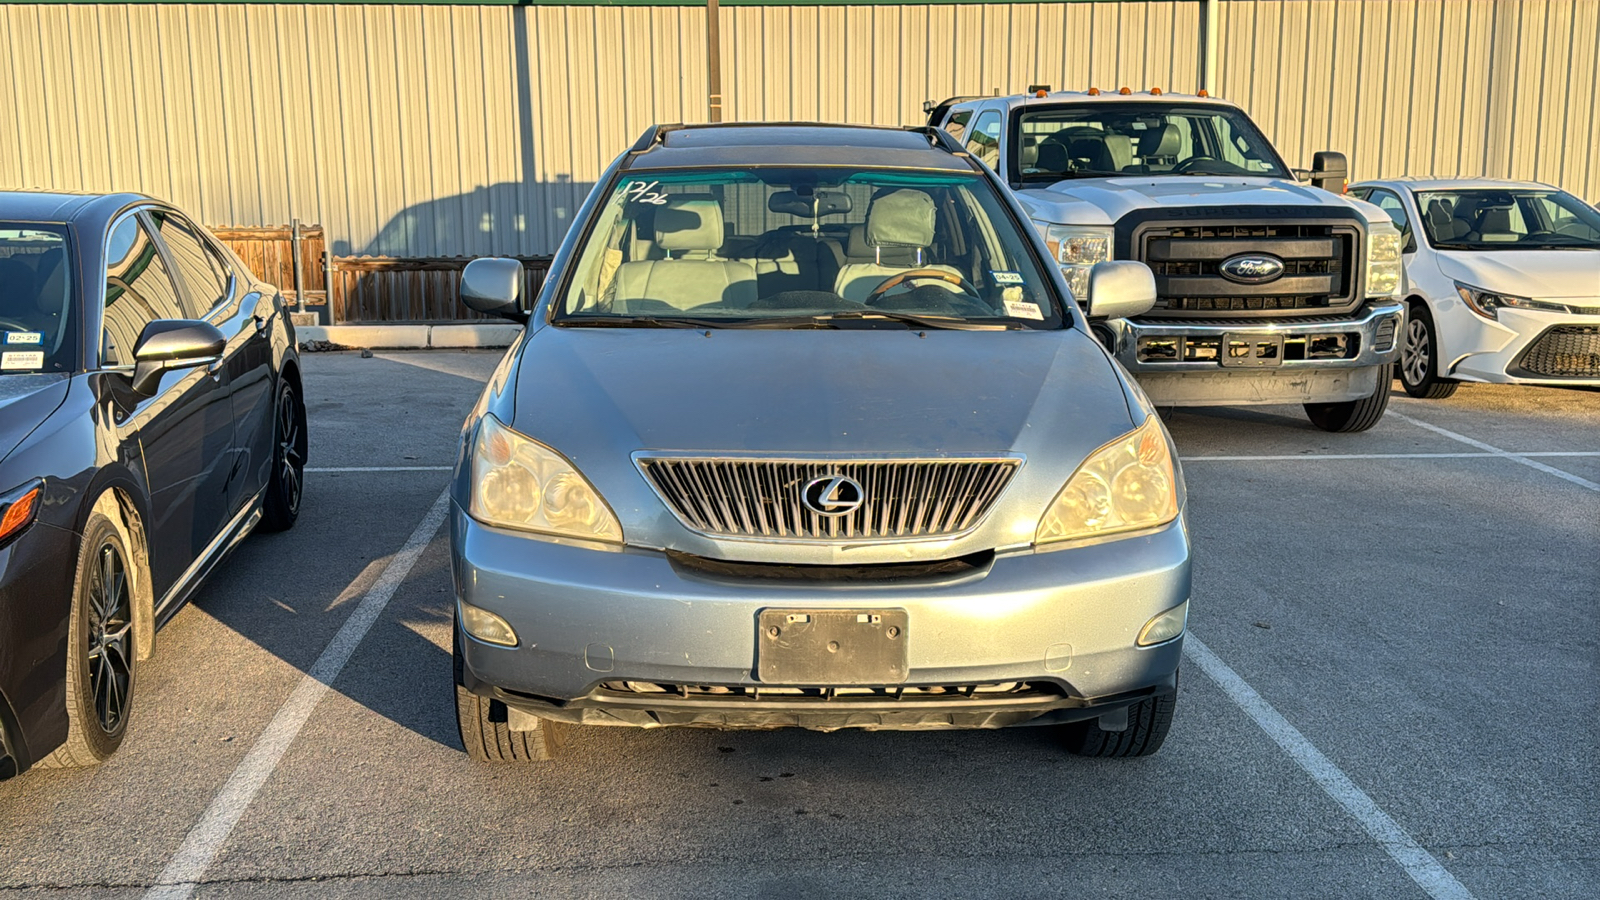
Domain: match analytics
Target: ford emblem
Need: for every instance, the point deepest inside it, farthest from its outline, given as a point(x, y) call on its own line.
point(1251, 268)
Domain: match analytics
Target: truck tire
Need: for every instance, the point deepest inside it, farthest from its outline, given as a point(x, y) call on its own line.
point(486, 734)
point(1354, 415)
point(1419, 358)
point(1148, 724)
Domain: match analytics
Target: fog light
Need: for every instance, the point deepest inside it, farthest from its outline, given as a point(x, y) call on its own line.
point(1165, 626)
point(491, 629)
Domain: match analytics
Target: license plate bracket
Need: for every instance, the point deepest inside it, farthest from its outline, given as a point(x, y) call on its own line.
point(829, 647)
point(1250, 350)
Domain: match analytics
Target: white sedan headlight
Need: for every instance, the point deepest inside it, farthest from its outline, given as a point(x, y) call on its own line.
point(1384, 265)
point(1126, 485)
point(520, 483)
point(1489, 303)
point(1077, 248)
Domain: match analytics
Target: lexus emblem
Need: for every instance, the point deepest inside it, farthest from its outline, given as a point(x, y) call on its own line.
point(833, 495)
point(1251, 268)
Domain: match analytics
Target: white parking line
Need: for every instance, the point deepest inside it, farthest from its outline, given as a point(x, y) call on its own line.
point(199, 848)
point(336, 469)
point(1418, 863)
point(1496, 451)
point(1323, 456)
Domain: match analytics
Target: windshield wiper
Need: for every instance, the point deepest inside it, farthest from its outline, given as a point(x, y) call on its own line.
point(954, 323)
point(635, 322)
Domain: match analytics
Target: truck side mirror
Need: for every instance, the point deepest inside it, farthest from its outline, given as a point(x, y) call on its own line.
point(1120, 289)
point(493, 286)
point(1330, 171)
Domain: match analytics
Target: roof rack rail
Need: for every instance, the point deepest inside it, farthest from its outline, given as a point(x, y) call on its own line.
point(653, 135)
point(938, 137)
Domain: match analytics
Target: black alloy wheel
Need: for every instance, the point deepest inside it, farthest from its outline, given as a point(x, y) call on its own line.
point(282, 504)
point(110, 653)
point(1418, 358)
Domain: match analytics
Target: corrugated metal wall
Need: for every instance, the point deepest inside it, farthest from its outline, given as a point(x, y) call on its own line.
point(438, 130)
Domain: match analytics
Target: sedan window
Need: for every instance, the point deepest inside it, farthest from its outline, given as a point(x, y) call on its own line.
point(1502, 219)
point(36, 311)
point(138, 290)
point(204, 275)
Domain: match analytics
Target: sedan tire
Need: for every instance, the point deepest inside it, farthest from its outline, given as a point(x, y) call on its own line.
point(1419, 362)
point(281, 506)
point(1148, 724)
point(486, 732)
point(101, 657)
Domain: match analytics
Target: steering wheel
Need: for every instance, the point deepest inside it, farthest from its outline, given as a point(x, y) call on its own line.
point(915, 274)
point(1192, 163)
point(13, 325)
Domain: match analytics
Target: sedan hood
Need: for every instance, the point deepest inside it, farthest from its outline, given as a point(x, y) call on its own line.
point(599, 395)
point(25, 402)
point(1537, 274)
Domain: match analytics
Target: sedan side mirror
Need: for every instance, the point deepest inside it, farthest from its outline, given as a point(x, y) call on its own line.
point(1330, 171)
point(1121, 289)
point(173, 344)
point(493, 286)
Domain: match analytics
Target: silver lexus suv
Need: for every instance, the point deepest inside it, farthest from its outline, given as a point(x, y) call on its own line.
point(804, 430)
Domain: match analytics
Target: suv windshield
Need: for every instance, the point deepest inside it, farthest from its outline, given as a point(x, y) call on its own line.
point(35, 299)
point(805, 248)
point(1107, 139)
point(1492, 219)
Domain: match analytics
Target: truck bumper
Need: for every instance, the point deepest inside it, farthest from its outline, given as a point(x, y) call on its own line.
point(1234, 363)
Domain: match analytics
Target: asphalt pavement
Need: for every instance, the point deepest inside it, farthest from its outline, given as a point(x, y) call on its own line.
point(1389, 693)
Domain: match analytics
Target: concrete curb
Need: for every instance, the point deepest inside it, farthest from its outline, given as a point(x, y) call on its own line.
point(411, 337)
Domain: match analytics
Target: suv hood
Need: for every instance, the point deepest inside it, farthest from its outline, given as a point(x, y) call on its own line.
point(25, 402)
point(598, 395)
point(1536, 274)
point(1102, 201)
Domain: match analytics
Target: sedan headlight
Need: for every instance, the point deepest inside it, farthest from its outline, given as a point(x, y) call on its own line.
point(520, 483)
point(1077, 248)
point(1126, 485)
point(1384, 265)
point(1488, 303)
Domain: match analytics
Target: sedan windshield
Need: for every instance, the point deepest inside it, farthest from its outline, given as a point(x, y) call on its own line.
point(1096, 140)
point(805, 248)
point(35, 299)
point(1492, 219)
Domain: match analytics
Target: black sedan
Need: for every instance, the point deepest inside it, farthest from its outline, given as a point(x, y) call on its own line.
point(151, 416)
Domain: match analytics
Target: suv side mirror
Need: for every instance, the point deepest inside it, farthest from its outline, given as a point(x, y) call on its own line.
point(1120, 289)
point(493, 285)
point(173, 344)
point(1330, 171)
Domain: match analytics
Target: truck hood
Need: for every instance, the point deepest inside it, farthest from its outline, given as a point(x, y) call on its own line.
point(1537, 274)
point(1102, 201)
point(25, 402)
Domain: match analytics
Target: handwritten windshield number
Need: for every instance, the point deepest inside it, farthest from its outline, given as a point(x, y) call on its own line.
point(639, 192)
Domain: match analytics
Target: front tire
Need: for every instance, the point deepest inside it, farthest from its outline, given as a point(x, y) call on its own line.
point(281, 506)
point(1354, 415)
point(1148, 723)
point(486, 732)
point(1419, 358)
point(101, 657)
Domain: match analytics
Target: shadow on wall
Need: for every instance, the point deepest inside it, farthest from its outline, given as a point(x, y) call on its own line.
point(507, 219)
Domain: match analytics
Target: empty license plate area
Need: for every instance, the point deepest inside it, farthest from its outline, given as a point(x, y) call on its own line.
point(810, 647)
point(1246, 350)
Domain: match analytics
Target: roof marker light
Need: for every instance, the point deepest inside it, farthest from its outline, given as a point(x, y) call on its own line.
point(1041, 93)
point(1094, 92)
point(1155, 92)
point(1202, 93)
point(1124, 91)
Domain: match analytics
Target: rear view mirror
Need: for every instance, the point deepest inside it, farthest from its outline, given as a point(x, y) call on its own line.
point(1329, 171)
point(173, 344)
point(493, 286)
point(1121, 289)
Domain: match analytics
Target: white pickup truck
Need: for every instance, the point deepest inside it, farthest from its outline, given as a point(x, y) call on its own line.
point(1270, 290)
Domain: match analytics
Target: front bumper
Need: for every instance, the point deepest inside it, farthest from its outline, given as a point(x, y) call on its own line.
point(1029, 637)
point(1322, 359)
point(1529, 347)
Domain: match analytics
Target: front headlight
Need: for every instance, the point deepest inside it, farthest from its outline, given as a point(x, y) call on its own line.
point(1384, 265)
point(520, 483)
point(1488, 303)
point(1127, 485)
point(1077, 248)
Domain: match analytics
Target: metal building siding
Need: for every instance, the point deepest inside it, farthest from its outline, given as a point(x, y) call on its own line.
point(446, 130)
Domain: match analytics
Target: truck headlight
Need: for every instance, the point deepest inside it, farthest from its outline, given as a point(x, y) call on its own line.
point(1488, 303)
point(1384, 265)
point(1126, 485)
point(520, 483)
point(1077, 248)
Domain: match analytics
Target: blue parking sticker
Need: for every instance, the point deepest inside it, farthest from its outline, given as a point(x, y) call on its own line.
point(24, 337)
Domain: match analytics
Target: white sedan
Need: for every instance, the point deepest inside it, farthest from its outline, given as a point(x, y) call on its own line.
point(1503, 282)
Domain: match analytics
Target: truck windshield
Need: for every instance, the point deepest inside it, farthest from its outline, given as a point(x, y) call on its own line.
point(35, 299)
point(1096, 140)
point(805, 248)
point(1508, 220)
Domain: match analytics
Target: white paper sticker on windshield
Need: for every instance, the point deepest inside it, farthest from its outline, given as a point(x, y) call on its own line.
point(1007, 277)
point(21, 360)
point(1022, 309)
point(24, 337)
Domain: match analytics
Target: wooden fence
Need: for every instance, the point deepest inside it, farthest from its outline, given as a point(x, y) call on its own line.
point(364, 288)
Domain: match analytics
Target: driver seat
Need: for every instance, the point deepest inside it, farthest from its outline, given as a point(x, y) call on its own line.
point(904, 221)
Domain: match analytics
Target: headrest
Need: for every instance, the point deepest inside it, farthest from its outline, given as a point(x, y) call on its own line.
point(1439, 219)
point(901, 219)
point(689, 223)
point(857, 247)
point(818, 204)
point(1163, 141)
point(1053, 157)
point(1028, 155)
point(1496, 224)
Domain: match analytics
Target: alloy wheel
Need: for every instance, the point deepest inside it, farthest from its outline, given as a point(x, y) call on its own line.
point(1416, 357)
point(291, 462)
point(110, 654)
